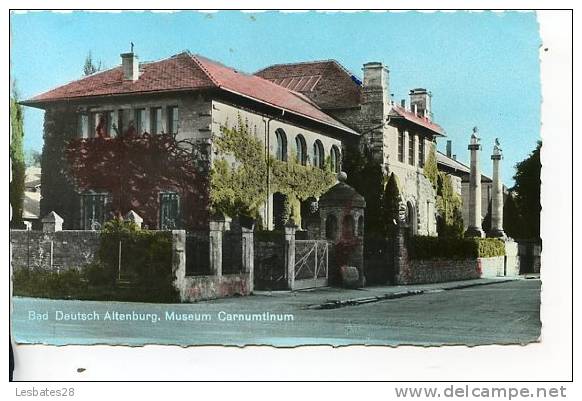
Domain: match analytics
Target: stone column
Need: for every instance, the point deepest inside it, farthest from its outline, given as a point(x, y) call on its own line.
point(52, 222)
point(134, 217)
point(474, 227)
point(497, 195)
point(217, 227)
point(290, 229)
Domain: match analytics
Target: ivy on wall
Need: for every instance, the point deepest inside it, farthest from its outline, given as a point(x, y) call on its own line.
point(243, 174)
point(448, 203)
point(134, 168)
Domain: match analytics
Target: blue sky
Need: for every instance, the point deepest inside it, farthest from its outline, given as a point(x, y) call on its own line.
point(482, 68)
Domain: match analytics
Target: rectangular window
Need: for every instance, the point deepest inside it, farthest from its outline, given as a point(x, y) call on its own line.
point(93, 124)
point(173, 119)
point(420, 151)
point(83, 126)
point(401, 146)
point(122, 121)
point(169, 210)
point(411, 149)
point(156, 120)
point(93, 210)
point(140, 121)
point(111, 124)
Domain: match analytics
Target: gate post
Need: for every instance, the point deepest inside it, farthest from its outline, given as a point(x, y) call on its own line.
point(290, 229)
point(248, 253)
point(217, 227)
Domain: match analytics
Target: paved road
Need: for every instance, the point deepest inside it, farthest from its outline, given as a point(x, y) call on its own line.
point(498, 313)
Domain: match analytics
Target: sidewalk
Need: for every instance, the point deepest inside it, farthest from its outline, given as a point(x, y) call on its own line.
point(333, 297)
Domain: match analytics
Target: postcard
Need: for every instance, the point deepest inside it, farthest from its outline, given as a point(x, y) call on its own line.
point(270, 178)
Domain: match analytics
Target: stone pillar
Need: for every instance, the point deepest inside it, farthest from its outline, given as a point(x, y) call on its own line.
point(179, 262)
point(474, 227)
point(217, 228)
point(52, 222)
point(290, 229)
point(248, 259)
point(134, 217)
point(497, 195)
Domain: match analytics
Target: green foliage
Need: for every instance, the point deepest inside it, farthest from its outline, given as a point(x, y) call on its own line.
point(430, 166)
point(512, 219)
point(48, 284)
point(146, 260)
point(391, 203)
point(240, 175)
point(527, 195)
point(366, 177)
point(91, 67)
point(17, 158)
point(423, 247)
point(32, 158)
point(449, 208)
point(489, 247)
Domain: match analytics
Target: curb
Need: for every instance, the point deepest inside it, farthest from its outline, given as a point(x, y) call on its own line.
point(395, 295)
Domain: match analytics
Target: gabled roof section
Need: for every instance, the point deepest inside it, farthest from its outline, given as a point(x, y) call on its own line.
point(400, 112)
point(325, 82)
point(186, 71)
point(456, 165)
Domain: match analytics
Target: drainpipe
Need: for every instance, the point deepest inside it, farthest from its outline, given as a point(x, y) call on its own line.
point(267, 123)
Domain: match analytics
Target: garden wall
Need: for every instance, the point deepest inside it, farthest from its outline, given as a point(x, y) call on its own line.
point(70, 249)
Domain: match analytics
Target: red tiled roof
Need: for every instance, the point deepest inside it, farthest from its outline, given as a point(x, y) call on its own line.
point(325, 82)
point(186, 71)
point(399, 111)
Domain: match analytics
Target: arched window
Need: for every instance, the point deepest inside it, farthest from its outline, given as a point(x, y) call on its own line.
point(281, 145)
point(331, 227)
point(301, 149)
point(335, 159)
point(318, 154)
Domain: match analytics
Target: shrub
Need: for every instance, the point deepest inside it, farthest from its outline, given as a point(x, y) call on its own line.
point(146, 259)
point(421, 247)
point(48, 284)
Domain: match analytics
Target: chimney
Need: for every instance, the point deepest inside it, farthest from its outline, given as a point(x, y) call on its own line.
point(421, 98)
point(403, 103)
point(130, 65)
point(375, 107)
point(449, 148)
point(376, 85)
point(454, 157)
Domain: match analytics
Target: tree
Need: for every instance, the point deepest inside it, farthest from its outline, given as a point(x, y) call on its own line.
point(527, 192)
point(512, 220)
point(391, 204)
point(90, 67)
point(17, 158)
point(32, 158)
point(366, 177)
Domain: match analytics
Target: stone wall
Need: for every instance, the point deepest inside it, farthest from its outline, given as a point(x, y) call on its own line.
point(195, 288)
point(438, 271)
point(492, 267)
point(70, 249)
point(198, 288)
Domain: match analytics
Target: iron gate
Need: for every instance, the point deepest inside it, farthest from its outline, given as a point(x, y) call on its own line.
point(311, 264)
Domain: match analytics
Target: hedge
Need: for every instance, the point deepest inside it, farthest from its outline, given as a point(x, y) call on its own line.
point(422, 247)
